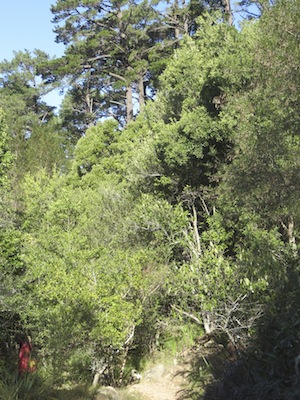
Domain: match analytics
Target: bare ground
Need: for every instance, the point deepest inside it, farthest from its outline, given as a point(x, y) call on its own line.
point(160, 383)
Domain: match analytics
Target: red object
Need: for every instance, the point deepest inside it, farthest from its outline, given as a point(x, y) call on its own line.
point(25, 362)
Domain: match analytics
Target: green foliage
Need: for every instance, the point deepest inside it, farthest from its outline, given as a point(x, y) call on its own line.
point(10, 248)
point(36, 386)
point(43, 149)
point(261, 184)
point(22, 91)
point(27, 387)
point(265, 170)
point(97, 156)
point(34, 140)
point(205, 282)
point(112, 45)
point(190, 211)
point(160, 225)
point(84, 290)
point(115, 51)
point(5, 154)
point(189, 124)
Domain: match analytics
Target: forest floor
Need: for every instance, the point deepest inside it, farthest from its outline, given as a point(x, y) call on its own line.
point(161, 383)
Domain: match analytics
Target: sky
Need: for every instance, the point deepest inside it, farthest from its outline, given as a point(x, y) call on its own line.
point(26, 24)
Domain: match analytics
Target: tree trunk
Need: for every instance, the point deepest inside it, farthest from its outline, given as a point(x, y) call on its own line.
point(228, 12)
point(141, 92)
point(290, 234)
point(129, 104)
point(196, 232)
point(123, 366)
point(96, 379)
point(98, 369)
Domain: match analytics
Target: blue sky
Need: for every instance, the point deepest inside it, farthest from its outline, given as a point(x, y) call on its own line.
point(26, 24)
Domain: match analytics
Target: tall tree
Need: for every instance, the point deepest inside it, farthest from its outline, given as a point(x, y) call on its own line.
point(22, 91)
point(265, 172)
point(21, 95)
point(114, 52)
point(190, 130)
point(108, 44)
point(35, 137)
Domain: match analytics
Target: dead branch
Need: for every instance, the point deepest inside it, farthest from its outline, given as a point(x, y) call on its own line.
point(191, 316)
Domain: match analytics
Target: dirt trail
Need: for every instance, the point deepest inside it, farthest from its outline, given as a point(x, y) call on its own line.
point(160, 383)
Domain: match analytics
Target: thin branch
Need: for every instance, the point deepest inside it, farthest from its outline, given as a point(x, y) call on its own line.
point(196, 232)
point(117, 76)
point(191, 316)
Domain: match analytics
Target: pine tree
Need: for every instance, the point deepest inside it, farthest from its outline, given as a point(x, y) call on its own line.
point(115, 51)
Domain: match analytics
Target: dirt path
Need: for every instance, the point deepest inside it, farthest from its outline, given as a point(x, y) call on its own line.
point(156, 391)
point(160, 383)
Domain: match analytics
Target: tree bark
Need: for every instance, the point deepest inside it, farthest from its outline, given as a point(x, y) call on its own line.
point(289, 228)
point(96, 379)
point(228, 12)
point(129, 104)
point(141, 92)
point(196, 232)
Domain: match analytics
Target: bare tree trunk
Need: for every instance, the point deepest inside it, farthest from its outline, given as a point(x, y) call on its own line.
point(228, 12)
point(291, 236)
point(289, 228)
point(129, 104)
point(96, 379)
point(98, 368)
point(141, 92)
point(177, 29)
point(127, 344)
point(196, 232)
point(123, 366)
